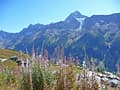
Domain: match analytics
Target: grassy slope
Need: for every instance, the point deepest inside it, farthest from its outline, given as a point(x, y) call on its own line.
point(5, 53)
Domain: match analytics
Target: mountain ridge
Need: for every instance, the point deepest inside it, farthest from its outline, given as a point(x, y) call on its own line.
point(99, 34)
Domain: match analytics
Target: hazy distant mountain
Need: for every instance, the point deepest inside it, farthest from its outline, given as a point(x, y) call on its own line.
point(99, 34)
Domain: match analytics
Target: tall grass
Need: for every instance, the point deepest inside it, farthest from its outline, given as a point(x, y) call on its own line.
point(43, 74)
point(37, 78)
point(25, 81)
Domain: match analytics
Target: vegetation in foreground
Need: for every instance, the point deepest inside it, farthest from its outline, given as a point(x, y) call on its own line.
point(44, 74)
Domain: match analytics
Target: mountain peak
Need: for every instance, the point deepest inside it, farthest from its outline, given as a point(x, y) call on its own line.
point(75, 15)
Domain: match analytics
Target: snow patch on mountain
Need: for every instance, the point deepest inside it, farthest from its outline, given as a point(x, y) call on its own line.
point(81, 20)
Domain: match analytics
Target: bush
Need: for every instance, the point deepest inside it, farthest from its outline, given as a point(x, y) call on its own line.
point(37, 78)
point(25, 81)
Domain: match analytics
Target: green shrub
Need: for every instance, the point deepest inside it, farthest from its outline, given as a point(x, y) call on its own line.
point(25, 81)
point(37, 78)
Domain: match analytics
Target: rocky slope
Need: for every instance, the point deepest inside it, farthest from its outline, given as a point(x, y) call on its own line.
point(99, 34)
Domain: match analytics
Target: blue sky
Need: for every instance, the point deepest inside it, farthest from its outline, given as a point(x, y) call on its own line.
point(17, 14)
